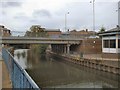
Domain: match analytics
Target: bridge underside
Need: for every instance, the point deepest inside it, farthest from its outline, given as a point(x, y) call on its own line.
point(57, 48)
point(20, 46)
point(64, 48)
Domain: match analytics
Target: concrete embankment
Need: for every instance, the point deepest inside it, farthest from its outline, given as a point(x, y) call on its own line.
point(102, 65)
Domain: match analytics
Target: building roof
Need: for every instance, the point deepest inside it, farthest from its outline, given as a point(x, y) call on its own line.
point(82, 32)
point(53, 30)
point(110, 32)
point(3, 28)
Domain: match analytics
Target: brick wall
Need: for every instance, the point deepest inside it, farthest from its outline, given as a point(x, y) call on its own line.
point(50, 33)
point(6, 33)
point(92, 46)
point(111, 55)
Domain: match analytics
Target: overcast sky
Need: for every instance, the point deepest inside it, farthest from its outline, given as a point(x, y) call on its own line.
point(20, 15)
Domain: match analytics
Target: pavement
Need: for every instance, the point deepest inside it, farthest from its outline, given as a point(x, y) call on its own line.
point(0, 75)
point(4, 76)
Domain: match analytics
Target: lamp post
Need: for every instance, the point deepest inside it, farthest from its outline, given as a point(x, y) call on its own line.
point(118, 12)
point(66, 20)
point(68, 46)
point(93, 2)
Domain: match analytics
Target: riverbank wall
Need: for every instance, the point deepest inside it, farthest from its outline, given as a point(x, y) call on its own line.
point(102, 65)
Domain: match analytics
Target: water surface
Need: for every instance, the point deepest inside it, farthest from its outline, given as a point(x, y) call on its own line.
point(48, 71)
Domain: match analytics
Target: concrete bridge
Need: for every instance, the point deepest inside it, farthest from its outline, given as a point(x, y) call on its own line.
point(39, 40)
point(58, 45)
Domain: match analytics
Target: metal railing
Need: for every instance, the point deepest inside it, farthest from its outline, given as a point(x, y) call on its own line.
point(19, 77)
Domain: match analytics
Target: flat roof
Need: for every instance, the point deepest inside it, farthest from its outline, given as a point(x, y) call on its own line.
point(52, 30)
point(110, 32)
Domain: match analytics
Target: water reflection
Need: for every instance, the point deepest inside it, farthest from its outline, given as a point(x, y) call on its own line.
point(48, 71)
point(20, 56)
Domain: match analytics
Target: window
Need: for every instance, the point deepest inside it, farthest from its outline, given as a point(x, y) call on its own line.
point(118, 43)
point(106, 43)
point(112, 43)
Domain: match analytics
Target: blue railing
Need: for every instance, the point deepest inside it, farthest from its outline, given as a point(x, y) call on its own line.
point(19, 77)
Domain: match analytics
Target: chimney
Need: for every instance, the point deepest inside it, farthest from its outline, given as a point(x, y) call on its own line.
point(117, 26)
point(1, 26)
point(86, 30)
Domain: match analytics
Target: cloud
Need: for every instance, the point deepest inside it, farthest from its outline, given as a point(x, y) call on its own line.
point(10, 4)
point(81, 15)
point(21, 16)
point(3, 13)
point(52, 15)
point(42, 13)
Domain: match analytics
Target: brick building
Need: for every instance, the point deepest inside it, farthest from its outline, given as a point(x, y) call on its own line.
point(111, 43)
point(53, 32)
point(80, 34)
point(4, 31)
point(37, 30)
point(88, 46)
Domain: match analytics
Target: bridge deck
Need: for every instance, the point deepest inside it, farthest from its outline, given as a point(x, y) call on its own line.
point(40, 40)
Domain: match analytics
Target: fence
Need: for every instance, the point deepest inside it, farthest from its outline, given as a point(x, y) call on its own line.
point(19, 77)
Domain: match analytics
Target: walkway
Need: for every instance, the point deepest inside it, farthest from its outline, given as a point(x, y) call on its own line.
point(4, 76)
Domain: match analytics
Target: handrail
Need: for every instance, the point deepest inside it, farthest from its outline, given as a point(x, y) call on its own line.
point(30, 80)
point(19, 77)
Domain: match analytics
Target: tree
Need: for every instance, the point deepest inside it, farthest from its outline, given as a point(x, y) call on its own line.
point(28, 33)
point(36, 31)
point(102, 29)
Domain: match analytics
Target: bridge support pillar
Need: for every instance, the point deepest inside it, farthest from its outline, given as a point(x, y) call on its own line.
point(62, 49)
point(56, 48)
point(65, 50)
point(68, 48)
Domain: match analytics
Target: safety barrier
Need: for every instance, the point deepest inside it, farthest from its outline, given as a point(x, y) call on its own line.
point(19, 77)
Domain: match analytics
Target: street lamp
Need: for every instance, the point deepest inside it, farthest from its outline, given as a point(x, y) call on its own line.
point(66, 20)
point(93, 1)
point(68, 46)
point(118, 11)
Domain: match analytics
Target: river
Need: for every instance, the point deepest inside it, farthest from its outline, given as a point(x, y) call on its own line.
point(51, 72)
